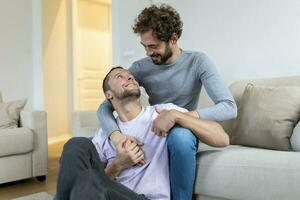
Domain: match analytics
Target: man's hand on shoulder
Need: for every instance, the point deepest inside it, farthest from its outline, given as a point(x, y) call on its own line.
point(165, 120)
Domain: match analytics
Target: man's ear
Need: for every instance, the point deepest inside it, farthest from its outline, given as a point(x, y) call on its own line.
point(108, 95)
point(174, 38)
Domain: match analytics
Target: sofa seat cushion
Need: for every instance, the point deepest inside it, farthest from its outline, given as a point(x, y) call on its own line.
point(238, 172)
point(15, 141)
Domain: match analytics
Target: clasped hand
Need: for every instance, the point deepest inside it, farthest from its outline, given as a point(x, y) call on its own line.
point(129, 153)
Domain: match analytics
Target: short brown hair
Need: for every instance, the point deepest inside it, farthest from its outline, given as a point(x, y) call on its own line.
point(164, 20)
point(105, 85)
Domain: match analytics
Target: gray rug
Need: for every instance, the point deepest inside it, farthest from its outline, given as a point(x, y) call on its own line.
point(36, 196)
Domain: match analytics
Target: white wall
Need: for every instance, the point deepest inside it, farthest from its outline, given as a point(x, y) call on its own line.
point(37, 56)
point(126, 45)
point(16, 57)
point(57, 75)
point(245, 39)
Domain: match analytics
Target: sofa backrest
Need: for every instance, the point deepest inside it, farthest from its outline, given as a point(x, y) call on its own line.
point(237, 89)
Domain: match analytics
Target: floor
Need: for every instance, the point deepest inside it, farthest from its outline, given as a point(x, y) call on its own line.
point(30, 186)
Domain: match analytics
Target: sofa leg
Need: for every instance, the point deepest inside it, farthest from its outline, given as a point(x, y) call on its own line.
point(41, 178)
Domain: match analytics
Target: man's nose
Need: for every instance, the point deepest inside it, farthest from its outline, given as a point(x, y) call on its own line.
point(149, 52)
point(130, 77)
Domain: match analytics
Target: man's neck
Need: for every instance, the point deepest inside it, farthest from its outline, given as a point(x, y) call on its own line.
point(128, 109)
point(176, 54)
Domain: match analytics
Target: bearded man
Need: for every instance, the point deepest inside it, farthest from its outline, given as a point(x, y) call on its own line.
point(104, 172)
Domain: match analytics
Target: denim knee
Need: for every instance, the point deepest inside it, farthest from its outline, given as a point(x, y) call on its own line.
point(181, 140)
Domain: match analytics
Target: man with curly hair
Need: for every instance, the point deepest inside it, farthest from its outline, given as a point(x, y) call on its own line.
point(172, 75)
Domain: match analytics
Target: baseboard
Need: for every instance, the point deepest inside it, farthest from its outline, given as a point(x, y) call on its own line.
point(56, 139)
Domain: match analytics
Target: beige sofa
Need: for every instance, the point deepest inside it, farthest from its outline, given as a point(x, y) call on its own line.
point(240, 172)
point(24, 150)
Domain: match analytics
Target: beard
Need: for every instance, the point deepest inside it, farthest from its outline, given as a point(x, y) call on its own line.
point(160, 59)
point(128, 93)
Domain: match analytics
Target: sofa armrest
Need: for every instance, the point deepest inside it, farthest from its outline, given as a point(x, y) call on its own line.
point(37, 122)
point(85, 123)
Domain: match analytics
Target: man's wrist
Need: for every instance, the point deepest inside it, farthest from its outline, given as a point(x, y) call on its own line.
point(177, 115)
point(118, 166)
point(194, 114)
point(113, 170)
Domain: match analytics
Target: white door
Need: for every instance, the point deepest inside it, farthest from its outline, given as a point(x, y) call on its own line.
point(92, 53)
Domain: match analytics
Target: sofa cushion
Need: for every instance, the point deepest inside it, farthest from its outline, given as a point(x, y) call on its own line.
point(10, 113)
point(295, 139)
point(267, 116)
point(238, 172)
point(15, 141)
point(237, 89)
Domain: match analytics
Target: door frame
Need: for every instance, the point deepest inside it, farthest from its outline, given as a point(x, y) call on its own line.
point(74, 46)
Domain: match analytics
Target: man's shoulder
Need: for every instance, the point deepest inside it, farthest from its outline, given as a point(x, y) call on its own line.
point(150, 109)
point(143, 65)
point(195, 54)
point(142, 61)
point(200, 60)
point(168, 106)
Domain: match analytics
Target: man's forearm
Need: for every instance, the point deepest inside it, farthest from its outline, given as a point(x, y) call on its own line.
point(106, 118)
point(221, 111)
point(208, 131)
point(193, 114)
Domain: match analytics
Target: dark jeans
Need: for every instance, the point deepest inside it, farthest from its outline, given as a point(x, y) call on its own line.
point(81, 175)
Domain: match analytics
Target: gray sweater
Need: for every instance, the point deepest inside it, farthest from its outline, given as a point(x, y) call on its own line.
point(179, 83)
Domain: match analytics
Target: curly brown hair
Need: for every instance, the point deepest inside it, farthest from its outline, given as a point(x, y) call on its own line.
point(164, 20)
